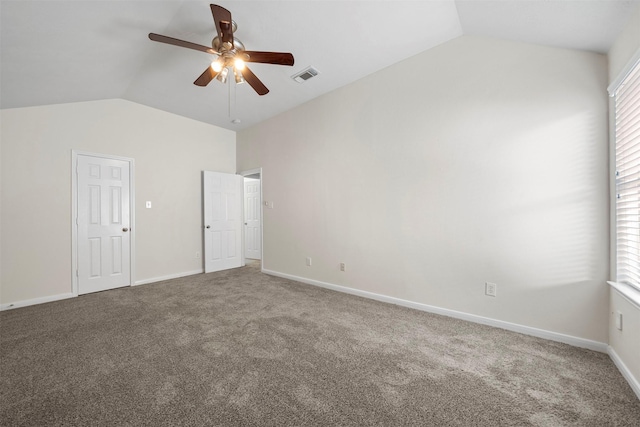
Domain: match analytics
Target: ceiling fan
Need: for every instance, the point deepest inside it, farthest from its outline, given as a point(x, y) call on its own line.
point(230, 53)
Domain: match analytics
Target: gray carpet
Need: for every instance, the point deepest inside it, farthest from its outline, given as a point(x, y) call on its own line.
point(243, 348)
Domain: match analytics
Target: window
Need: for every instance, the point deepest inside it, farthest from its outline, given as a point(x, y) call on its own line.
point(627, 175)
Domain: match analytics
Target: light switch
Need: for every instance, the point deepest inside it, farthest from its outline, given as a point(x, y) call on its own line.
point(148, 205)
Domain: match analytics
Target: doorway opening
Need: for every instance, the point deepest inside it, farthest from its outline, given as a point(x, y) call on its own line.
point(253, 229)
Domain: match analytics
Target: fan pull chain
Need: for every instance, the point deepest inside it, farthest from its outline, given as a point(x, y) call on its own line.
point(229, 92)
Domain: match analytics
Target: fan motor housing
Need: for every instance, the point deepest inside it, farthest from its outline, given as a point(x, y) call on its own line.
point(217, 45)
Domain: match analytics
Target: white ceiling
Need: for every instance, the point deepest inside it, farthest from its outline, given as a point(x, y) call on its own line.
point(55, 52)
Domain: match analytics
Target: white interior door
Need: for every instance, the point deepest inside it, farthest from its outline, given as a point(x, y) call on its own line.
point(252, 233)
point(104, 235)
point(222, 202)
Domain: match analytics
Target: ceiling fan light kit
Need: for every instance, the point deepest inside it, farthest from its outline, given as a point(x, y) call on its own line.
point(222, 75)
point(230, 54)
point(238, 76)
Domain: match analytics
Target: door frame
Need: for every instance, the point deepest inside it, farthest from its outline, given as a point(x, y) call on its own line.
point(247, 173)
point(74, 214)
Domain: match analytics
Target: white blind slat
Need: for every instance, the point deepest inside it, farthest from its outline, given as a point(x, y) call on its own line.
point(630, 85)
point(629, 109)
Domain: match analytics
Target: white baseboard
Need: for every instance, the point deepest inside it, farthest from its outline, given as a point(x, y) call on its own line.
point(168, 277)
point(52, 298)
point(527, 330)
point(35, 301)
point(626, 373)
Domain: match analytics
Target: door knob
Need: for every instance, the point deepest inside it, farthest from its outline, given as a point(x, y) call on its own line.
point(208, 226)
point(125, 229)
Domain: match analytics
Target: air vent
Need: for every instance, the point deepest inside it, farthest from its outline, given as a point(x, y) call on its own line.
point(305, 75)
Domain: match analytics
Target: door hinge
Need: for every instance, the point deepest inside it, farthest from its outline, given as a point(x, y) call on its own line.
point(77, 275)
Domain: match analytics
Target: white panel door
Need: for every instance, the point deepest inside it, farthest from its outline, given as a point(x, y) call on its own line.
point(252, 234)
point(104, 251)
point(222, 200)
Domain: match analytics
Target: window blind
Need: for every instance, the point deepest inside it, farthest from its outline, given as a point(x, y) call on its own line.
point(627, 118)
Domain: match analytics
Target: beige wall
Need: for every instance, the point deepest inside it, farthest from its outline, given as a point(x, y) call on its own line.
point(625, 46)
point(625, 343)
point(169, 151)
point(478, 160)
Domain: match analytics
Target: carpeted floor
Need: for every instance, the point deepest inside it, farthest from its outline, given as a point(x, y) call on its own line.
point(243, 348)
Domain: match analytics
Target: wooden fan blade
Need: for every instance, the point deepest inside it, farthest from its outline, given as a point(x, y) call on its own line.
point(226, 34)
point(254, 81)
point(206, 77)
point(278, 58)
point(181, 43)
point(220, 15)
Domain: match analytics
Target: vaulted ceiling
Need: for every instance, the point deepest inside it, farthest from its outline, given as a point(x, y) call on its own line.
point(69, 51)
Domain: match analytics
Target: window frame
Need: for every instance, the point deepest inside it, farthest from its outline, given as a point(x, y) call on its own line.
point(629, 289)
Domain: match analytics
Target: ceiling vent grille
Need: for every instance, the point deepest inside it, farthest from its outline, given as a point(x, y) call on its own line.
point(305, 75)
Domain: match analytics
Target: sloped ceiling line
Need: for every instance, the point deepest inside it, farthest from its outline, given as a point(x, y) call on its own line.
point(71, 51)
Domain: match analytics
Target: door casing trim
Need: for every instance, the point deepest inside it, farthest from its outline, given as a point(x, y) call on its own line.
point(74, 214)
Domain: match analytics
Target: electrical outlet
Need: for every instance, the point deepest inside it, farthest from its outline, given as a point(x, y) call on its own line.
point(343, 267)
point(619, 320)
point(490, 289)
point(308, 262)
point(197, 254)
